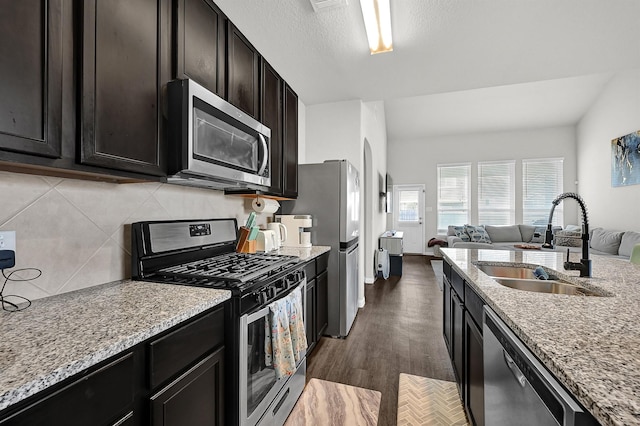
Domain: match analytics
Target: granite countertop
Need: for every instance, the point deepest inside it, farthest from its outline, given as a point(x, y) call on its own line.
point(589, 343)
point(59, 336)
point(304, 253)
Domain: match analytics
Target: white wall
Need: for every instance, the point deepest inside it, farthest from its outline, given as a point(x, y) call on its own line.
point(415, 161)
point(78, 232)
point(374, 131)
point(615, 113)
point(338, 131)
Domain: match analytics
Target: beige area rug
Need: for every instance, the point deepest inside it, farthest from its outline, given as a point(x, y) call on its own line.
point(328, 403)
point(425, 401)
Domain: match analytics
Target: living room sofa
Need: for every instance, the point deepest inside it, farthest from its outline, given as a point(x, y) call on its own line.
point(601, 241)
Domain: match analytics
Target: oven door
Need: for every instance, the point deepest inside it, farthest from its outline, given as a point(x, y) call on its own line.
point(258, 383)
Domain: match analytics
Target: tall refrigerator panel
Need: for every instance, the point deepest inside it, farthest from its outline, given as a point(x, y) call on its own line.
point(330, 192)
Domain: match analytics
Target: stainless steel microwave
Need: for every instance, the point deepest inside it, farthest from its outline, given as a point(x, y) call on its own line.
point(212, 143)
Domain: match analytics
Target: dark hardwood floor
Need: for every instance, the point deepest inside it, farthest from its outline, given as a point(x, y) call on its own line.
point(399, 330)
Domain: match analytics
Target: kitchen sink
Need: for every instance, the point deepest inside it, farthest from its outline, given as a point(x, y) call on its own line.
point(522, 278)
point(507, 271)
point(545, 286)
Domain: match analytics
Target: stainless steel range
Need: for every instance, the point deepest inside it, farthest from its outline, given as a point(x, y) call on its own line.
point(201, 253)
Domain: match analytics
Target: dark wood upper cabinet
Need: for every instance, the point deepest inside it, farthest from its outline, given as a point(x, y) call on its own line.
point(31, 76)
point(243, 66)
point(271, 116)
point(290, 143)
point(125, 62)
point(200, 44)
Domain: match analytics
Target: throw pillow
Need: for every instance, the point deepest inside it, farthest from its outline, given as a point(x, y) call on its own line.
point(606, 241)
point(629, 240)
point(461, 233)
point(478, 234)
point(568, 238)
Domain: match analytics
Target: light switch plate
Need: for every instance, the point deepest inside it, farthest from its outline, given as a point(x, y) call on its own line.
point(7, 249)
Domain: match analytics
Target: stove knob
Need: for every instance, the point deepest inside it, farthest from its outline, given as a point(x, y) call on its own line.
point(262, 297)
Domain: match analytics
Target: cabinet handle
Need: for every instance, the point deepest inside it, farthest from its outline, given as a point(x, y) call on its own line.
point(514, 369)
point(265, 154)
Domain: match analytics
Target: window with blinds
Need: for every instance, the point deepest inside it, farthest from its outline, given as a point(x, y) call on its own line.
point(454, 184)
point(541, 184)
point(496, 193)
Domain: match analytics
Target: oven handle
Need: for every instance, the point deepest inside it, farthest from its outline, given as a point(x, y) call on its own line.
point(256, 315)
point(264, 311)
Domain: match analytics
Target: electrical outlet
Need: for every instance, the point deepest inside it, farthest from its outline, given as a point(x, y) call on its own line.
point(7, 249)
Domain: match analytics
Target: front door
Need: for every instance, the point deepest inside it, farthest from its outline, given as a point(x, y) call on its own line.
point(408, 211)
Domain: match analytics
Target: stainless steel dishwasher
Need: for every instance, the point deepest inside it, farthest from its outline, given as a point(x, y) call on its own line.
point(518, 389)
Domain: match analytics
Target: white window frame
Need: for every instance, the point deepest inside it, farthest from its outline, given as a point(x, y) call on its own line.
point(466, 193)
point(486, 187)
point(545, 195)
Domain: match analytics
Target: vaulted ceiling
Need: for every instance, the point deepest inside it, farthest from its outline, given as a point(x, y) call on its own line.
point(457, 65)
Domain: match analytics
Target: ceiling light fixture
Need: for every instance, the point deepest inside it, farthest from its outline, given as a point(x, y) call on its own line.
point(377, 22)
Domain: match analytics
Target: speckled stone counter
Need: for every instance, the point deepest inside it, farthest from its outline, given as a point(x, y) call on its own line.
point(59, 336)
point(304, 253)
point(591, 344)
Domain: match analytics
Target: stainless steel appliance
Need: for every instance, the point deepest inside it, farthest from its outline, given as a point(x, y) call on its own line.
point(518, 389)
point(201, 253)
point(330, 192)
point(212, 143)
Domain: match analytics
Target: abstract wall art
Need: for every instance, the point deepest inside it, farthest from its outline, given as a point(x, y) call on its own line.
point(625, 160)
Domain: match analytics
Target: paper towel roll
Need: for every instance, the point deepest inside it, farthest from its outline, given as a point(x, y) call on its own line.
point(265, 205)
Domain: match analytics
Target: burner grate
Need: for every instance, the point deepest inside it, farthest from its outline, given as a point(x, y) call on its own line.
point(234, 267)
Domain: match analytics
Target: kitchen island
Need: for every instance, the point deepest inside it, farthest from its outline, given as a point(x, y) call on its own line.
point(590, 343)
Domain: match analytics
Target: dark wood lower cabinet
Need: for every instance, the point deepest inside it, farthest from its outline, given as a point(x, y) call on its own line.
point(474, 372)
point(462, 332)
point(310, 313)
point(101, 397)
point(195, 398)
point(322, 299)
point(457, 334)
point(446, 313)
point(316, 309)
point(175, 378)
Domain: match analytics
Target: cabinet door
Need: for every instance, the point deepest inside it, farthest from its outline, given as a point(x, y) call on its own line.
point(200, 44)
point(124, 64)
point(31, 76)
point(96, 399)
point(457, 331)
point(243, 63)
point(322, 283)
point(474, 372)
point(195, 398)
point(310, 315)
point(271, 116)
point(446, 314)
point(290, 143)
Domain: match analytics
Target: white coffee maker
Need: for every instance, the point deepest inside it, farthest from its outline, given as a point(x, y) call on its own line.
point(296, 225)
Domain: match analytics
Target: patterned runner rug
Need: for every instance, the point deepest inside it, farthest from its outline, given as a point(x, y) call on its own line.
point(425, 401)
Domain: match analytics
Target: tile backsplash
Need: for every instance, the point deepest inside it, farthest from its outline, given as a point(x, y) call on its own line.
point(78, 232)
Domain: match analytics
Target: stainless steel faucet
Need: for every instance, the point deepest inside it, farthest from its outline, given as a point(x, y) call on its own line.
point(584, 266)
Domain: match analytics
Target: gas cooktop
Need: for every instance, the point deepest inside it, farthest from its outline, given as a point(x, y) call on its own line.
point(201, 253)
point(232, 267)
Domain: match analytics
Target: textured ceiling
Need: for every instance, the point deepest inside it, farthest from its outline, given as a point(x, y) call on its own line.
point(450, 46)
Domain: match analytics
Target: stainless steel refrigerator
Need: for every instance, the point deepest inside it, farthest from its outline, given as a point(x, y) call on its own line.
point(330, 192)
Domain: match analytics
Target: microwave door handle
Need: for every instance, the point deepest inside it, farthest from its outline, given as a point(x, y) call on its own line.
point(265, 154)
